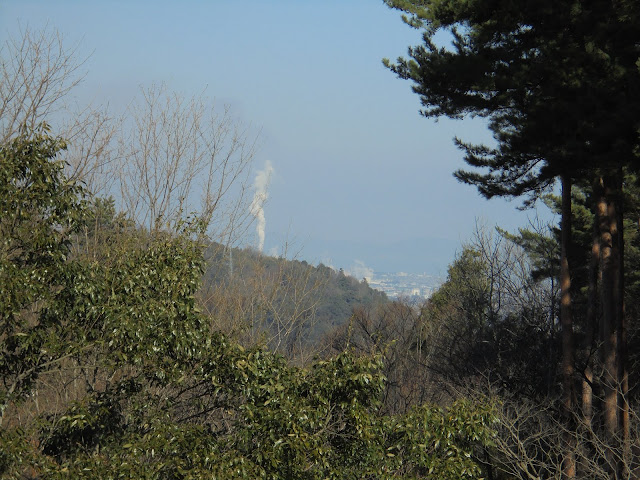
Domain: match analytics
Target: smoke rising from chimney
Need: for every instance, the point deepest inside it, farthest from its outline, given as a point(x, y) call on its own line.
point(261, 186)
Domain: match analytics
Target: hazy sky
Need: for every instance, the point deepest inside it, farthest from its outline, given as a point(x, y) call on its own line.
point(358, 174)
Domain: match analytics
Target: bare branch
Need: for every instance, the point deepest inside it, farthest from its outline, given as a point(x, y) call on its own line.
point(181, 159)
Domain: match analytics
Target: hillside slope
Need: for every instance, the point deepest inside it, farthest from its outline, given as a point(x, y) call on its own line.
point(289, 304)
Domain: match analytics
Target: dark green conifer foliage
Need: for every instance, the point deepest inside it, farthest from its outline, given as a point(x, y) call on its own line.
point(559, 84)
point(555, 79)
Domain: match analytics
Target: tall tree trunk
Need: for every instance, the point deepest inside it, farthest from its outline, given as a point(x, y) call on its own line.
point(608, 232)
point(621, 328)
point(591, 326)
point(569, 464)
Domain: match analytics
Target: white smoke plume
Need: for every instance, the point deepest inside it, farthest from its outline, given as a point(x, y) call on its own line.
point(261, 186)
point(359, 271)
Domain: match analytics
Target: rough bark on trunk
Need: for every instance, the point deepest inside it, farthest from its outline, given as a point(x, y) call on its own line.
point(608, 233)
point(569, 463)
point(591, 326)
point(621, 329)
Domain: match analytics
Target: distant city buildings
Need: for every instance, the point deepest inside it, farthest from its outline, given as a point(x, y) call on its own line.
point(412, 286)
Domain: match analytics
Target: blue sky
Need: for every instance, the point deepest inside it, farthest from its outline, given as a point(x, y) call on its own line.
point(358, 173)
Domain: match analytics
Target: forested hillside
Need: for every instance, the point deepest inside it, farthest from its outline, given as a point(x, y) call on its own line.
point(111, 369)
point(131, 348)
point(289, 304)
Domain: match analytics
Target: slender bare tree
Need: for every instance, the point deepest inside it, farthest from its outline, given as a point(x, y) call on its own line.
point(182, 158)
point(38, 75)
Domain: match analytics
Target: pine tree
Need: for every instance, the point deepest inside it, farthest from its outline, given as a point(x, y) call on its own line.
point(558, 83)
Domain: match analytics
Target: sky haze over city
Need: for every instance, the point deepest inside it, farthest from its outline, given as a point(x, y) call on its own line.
point(358, 176)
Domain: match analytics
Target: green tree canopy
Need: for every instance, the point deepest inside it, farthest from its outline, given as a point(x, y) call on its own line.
point(39, 212)
point(110, 370)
